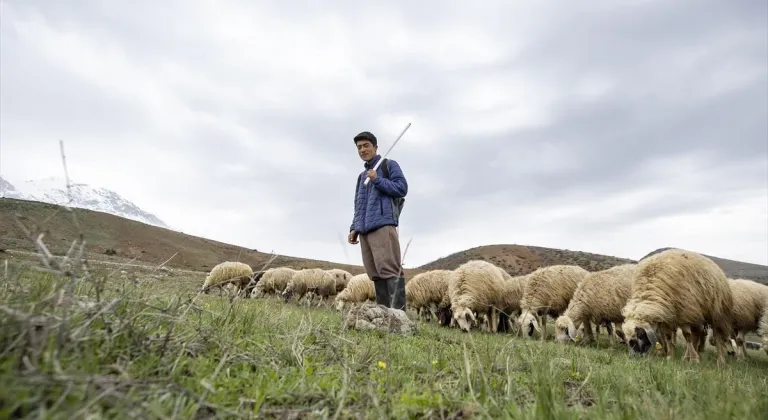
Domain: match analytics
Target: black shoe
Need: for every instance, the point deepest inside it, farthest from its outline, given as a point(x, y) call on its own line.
point(396, 292)
point(382, 296)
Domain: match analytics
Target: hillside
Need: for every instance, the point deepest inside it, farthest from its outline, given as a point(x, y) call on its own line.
point(519, 259)
point(734, 269)
point(115, 238)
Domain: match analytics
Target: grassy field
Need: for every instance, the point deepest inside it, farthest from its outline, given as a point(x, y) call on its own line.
point(138, 344)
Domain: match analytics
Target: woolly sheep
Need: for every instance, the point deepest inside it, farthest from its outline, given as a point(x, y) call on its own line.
point(315, 280)
point(229, 270)
point(598, 299)
point(763, 330)
point(677, 288)
point(359, 289)
point(425, 291)
point(444, 313)
point(341, 277)
point(510, 303)
point(548, 292)
point(478, 288)
point(273, 281)
point(750, 303)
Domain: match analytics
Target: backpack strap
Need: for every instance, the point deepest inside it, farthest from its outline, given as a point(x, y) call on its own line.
point(384, 169)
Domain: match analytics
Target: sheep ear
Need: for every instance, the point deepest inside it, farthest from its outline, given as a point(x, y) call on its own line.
point(652, 336)
point(572, 333)
point(469, 316)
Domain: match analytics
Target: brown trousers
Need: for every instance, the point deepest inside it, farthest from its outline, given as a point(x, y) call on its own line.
point(381, 253)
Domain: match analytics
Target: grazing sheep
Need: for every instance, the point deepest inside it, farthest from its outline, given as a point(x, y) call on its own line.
point(510, 303)
point(252, 283)
point(341, 277)
point(273, 281)
point(478, 288)
point(310, 280)
point(750, 303)
point(548, 292)
point(763, 330)
point(444, 312)
point(359, 289)
point(598, 299)
point(677, 288)
point(425, 291)
point(229, 270)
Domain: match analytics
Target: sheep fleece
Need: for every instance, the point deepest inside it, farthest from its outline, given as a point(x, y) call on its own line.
point(359, 289)
point(552, 287)
point(479, 285)
point(427, 288)
point(341, 277)
point(228, 270)
point(749, 303)
point(677, 287)
point(314, 280)
point(602, 295)
point(274, 280)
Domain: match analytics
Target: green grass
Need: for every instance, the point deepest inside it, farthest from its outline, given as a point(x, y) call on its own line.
point(151, 348)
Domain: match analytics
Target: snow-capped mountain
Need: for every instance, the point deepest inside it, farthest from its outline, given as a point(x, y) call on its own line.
point(54, 191)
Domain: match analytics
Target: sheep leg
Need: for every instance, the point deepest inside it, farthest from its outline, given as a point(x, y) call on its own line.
point(588, 337)
point(609, 328)
point(691, 340)
point(620, 337)
point(543, 322)
point(667, 341)
point(699, 338)
point(741, 348)
point(720, 339)
point(493, 315)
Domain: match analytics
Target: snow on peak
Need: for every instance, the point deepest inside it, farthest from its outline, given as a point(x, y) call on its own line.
point(53, 190)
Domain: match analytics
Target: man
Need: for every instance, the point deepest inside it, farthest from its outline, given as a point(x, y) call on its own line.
point(376, 220)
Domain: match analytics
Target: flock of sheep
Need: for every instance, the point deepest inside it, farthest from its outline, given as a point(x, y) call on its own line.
point(644, 303)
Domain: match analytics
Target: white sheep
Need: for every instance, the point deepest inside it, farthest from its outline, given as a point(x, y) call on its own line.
point(425, 291)
point(598, 299)
point(510, 303)
point(548, 292)
point(316, 281)
point(273, 281)
point(229, 270)
point(479, 288)
point(359, 289)
point(763, 330)
point(341, 277)
point(677, 288)
point(750, 303)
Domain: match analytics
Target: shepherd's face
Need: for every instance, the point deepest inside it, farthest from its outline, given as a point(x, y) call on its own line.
point(366, 150)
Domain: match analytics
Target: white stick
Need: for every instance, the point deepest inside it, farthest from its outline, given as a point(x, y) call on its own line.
point(375, 167)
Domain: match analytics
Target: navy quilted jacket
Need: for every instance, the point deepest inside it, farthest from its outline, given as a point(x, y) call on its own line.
point(373, 206)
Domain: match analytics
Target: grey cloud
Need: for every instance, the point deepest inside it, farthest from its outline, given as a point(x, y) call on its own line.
point(652, 111)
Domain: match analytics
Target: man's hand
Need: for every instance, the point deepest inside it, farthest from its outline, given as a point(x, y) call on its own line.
point(352, 238)
point(371, 175)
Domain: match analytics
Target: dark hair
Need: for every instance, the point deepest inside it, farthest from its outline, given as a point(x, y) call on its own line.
point(366, 135)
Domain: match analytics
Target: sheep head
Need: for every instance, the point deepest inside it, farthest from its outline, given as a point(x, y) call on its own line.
point(287, 294)
point(339, 304)
point(464, 317)
point(641, 336)
point(566, 330)
point(528, 322)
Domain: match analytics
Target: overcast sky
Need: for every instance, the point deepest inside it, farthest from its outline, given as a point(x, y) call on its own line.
point(602, 126)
